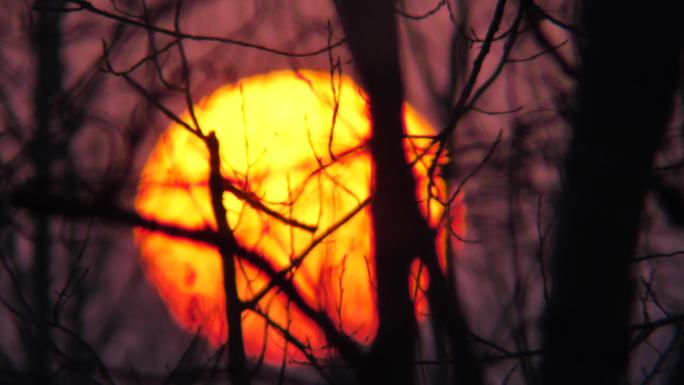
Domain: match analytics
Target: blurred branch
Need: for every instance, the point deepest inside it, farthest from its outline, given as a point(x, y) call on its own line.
point(87, 6)
point(421, 16)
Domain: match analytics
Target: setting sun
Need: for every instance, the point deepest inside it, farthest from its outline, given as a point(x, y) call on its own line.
point(293, 147)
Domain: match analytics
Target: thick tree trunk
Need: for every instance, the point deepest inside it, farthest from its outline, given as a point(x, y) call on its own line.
point(401, 234)
point(47, 47)
point(630, 55)
point(371, 30)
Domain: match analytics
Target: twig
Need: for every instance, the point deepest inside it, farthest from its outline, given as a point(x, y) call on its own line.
point(88, 6)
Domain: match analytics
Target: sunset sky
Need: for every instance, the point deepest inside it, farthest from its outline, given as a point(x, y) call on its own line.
point(111, 239)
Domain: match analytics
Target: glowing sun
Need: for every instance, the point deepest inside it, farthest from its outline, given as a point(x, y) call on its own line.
point(293, 146)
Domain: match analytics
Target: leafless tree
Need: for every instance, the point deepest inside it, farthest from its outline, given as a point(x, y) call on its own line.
point(560, 120)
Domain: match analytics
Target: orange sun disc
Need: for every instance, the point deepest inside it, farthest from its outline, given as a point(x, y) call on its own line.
point(284, 144)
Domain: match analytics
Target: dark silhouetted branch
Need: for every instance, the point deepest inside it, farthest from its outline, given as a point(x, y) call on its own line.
point(89, 7)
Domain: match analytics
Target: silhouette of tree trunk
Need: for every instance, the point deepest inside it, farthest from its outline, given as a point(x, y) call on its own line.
point(236, 348)
point(677, 375)
point(372, 34)
point(47, 47)
point(630, 59)
point(400, 232)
